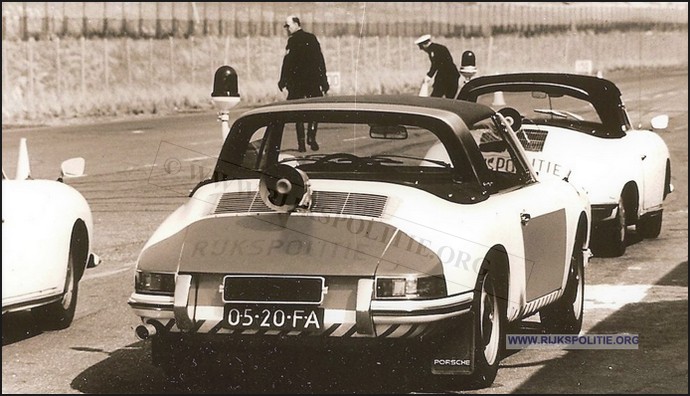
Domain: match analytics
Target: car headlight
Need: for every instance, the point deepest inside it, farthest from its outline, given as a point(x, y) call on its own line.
point(154, 283)
point(411, 287)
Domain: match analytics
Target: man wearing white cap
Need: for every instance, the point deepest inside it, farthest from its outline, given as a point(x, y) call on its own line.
point(442, 66)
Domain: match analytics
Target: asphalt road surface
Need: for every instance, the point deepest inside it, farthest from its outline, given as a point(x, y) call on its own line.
point(645, 292)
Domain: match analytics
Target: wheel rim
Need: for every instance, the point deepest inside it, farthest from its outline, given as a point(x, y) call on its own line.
point(69, 286)
point(621, 219)
point(580, 289)
point(489, 325)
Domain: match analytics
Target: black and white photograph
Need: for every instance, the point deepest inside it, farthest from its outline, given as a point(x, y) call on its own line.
point(344, 197)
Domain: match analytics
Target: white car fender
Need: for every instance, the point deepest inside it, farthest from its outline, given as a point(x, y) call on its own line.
point(37, 236)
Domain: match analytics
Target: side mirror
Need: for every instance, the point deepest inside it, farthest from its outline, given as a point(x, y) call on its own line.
point(660, 122)
point(73, 167)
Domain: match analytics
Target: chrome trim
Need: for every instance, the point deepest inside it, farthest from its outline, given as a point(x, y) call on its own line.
point(421, 307)
point(365, 293)
point(183, 285)
point(416, 319)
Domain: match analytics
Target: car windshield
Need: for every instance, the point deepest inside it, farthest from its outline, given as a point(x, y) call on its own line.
point(370, 146)
point(546, 108)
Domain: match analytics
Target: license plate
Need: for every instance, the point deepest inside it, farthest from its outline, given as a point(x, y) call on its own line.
point(268, 317)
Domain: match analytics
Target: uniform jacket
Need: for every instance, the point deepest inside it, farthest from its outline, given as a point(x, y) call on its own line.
point(304, 69)
point(441, 64)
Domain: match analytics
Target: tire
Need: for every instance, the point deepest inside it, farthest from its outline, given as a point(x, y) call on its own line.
point(60, 314)
point(490, 329)
point(565, 315)
point(667, 179)
point(649, 226)
point(171, 353)
point(184, 361)
point(609, 238)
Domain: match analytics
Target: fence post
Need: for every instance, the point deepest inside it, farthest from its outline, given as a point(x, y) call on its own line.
point(206, 27)
point(400, 56)
point(151, 78)
point(105, 19)
point(379, 65)
point(248, 63)
point(123, 29)
point(106, 72)
point(25, 23)
point(226, 52)
point(489, 54)
point(338, 55)
point(158, 20)
point(221, 20)
point(30, 66)
point(141, 19)
point(353, 52)
point(5, 73)
point(46, 21)
point(65, 21)
point(84, 20)
point(172, 60)
point(82, 58)
point(128, 61)
point(191, 42)
point(174, 19)
point(58, 67)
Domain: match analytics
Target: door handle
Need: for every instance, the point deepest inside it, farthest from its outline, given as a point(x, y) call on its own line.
point(525, 218)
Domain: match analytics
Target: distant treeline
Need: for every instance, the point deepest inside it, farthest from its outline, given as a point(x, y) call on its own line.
point(46, 20)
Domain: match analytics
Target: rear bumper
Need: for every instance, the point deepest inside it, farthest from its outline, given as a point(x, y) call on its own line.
point(371, 318)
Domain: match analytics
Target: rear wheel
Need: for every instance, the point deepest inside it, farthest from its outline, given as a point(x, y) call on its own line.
point(565, 315)
point(174, 356)
point(649, 225)
point(609, 238)
point(490, 321)
point(59, 315)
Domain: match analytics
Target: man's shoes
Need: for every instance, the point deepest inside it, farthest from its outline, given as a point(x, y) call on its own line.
point(311, 140)
point(301, 148)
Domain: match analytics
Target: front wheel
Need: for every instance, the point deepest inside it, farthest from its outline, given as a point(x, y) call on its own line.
point(565, 315)
point(608, 239)
point(649, 226)
point(60, 314)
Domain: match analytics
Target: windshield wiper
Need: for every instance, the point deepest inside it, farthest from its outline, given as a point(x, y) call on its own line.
point(437, 162)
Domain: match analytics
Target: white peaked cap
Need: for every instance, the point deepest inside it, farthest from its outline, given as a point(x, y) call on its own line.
point(423, 39)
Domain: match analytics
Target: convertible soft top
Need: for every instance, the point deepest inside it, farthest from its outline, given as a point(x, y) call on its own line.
point(602, 93)
point(469, 112)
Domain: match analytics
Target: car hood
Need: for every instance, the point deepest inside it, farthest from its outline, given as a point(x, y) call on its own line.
point(291, 244)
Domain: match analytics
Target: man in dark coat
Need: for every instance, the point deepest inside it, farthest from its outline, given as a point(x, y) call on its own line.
point(303, 73)
point(442, 65)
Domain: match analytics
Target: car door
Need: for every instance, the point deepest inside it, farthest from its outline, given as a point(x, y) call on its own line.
point(28, 242)
point(538, 209)
point(534, 207)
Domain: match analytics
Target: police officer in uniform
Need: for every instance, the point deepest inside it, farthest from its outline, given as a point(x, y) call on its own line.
point(442, 66)
point(303, 73)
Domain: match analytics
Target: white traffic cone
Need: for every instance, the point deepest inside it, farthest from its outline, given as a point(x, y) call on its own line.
point(498, 99)
point(23, 166)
